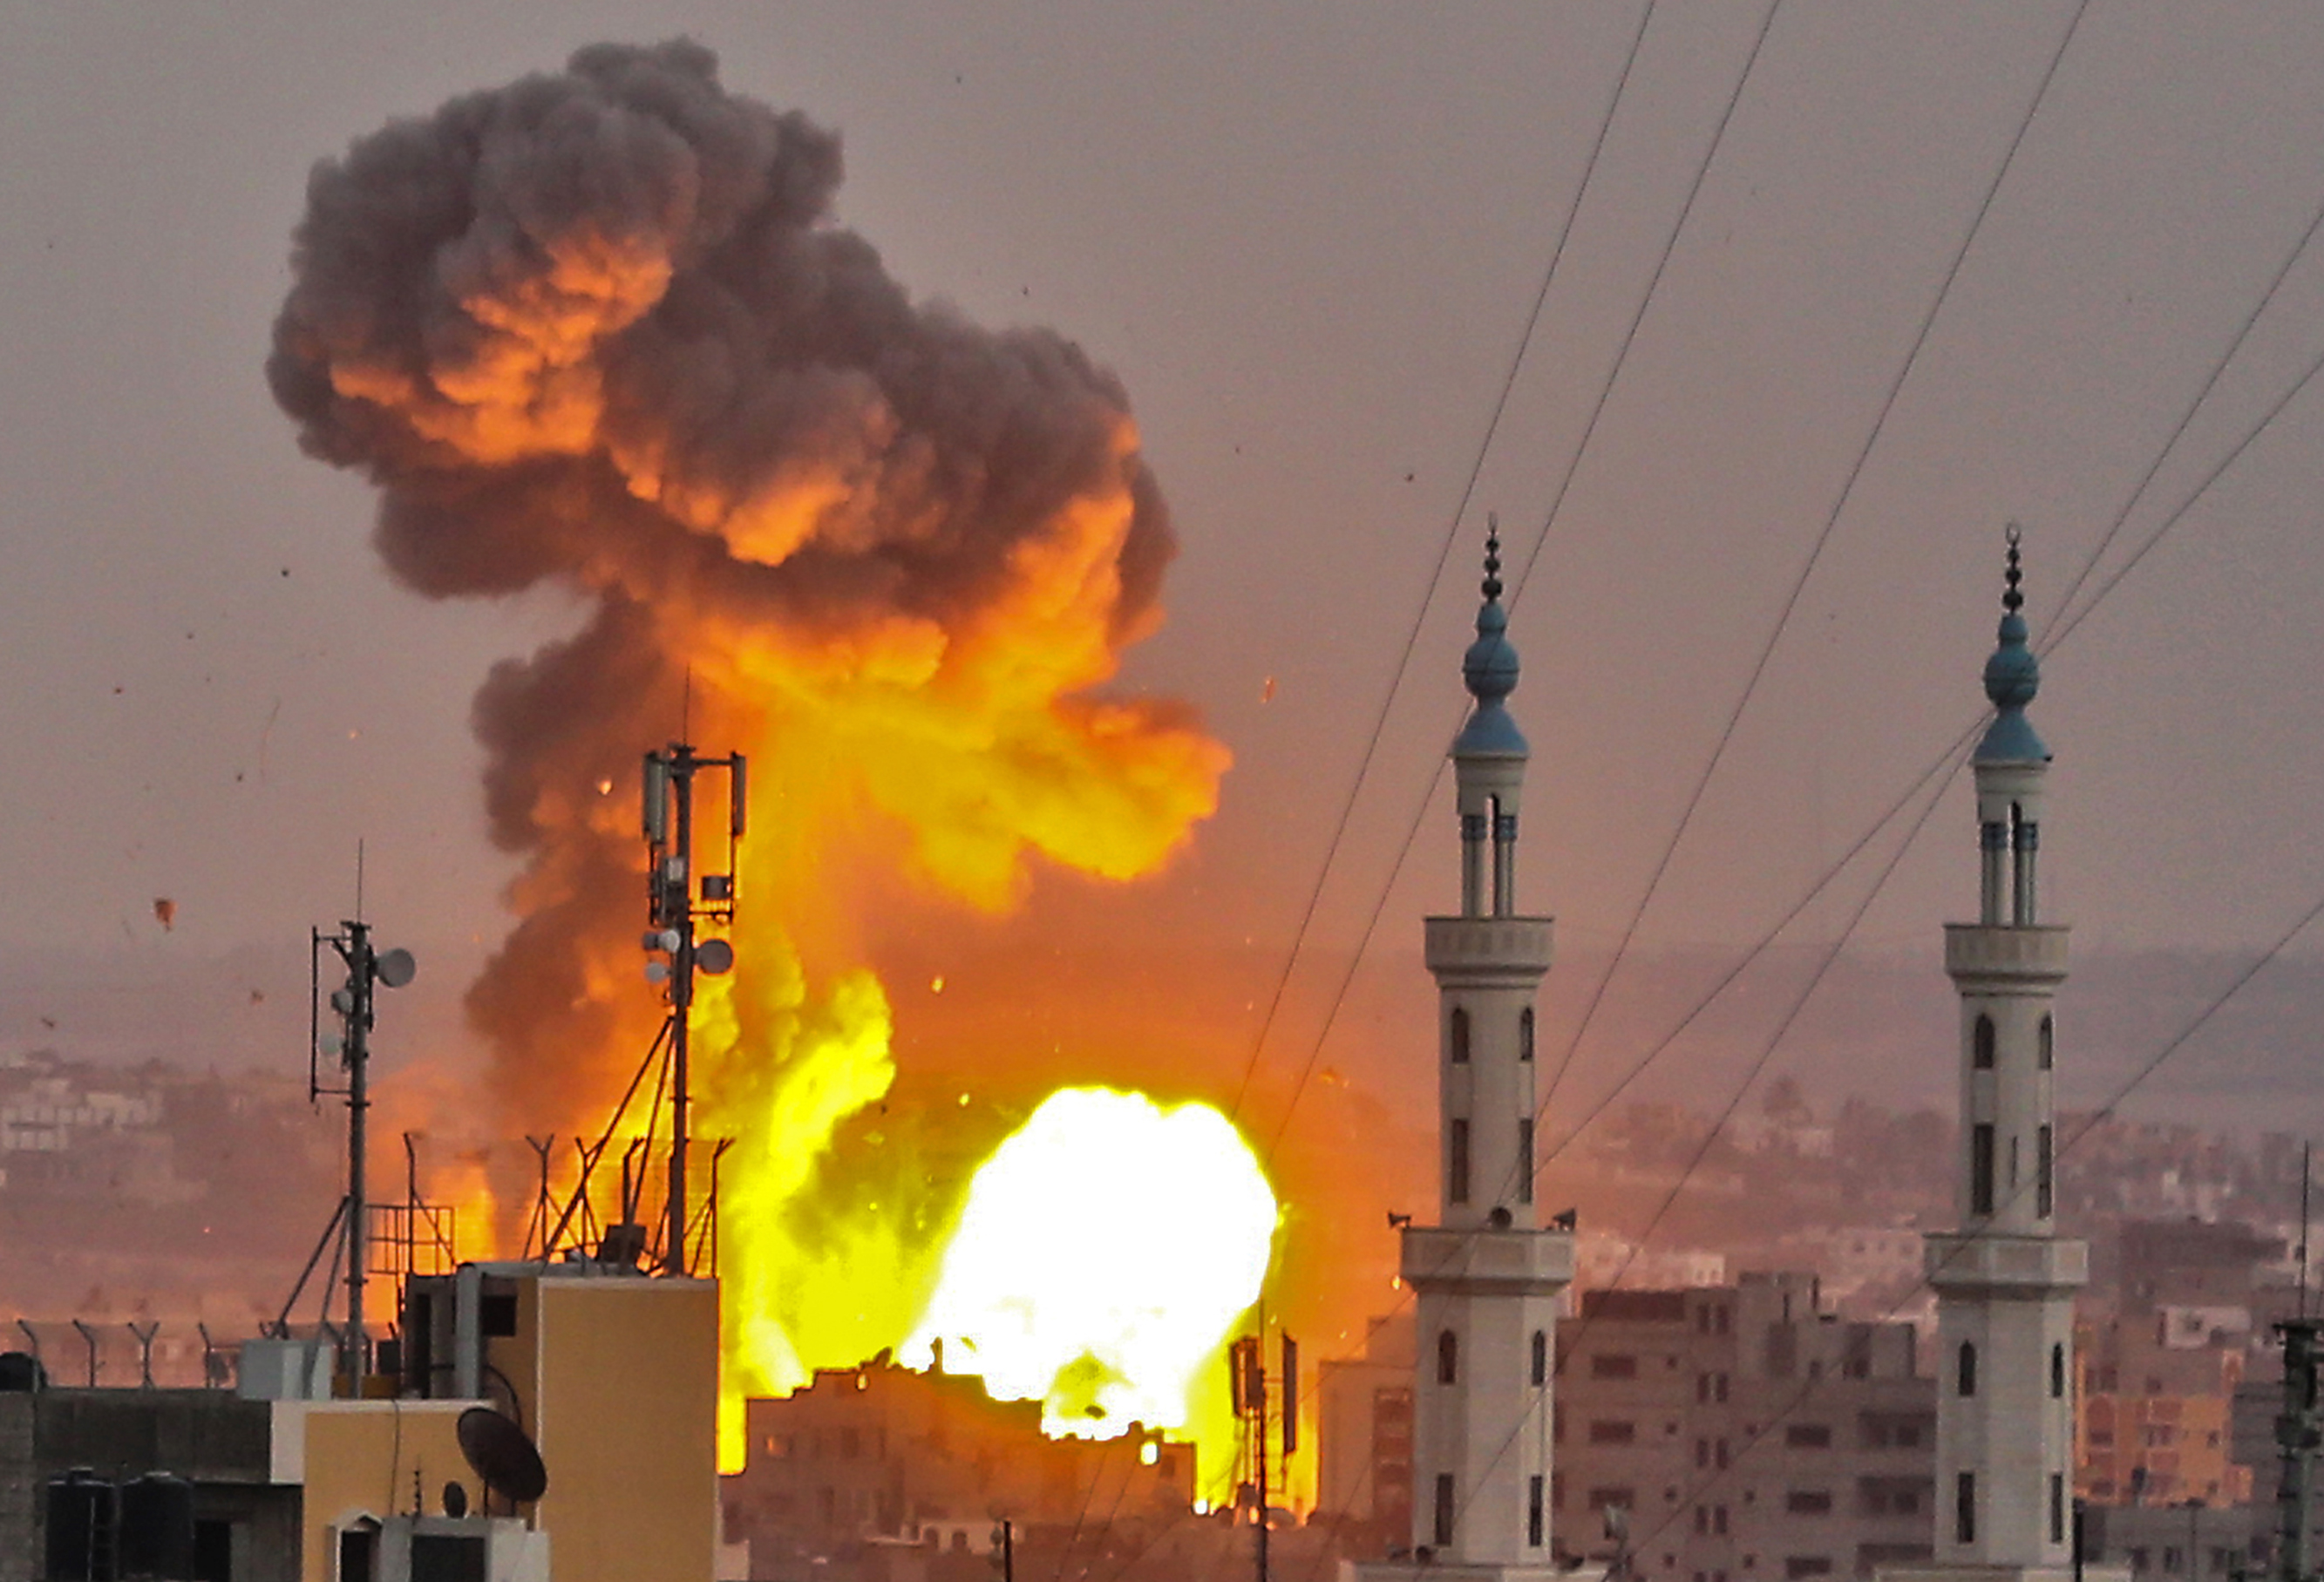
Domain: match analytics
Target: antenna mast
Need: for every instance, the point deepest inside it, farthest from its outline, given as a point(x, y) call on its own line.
point(367, 967)
point(674, 905)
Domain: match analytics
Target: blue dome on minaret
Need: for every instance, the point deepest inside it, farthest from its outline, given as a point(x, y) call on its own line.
point(2012, 677)
point(1490, 670)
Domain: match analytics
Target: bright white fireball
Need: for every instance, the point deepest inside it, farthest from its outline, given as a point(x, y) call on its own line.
point(1105, 1250)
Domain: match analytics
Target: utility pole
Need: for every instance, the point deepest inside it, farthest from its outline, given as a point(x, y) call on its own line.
point(674, 905)
point(1246, 1373)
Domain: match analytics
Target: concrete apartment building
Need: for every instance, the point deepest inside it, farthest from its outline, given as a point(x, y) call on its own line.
point(2154, 1419)
point(1363, 1432)
point(1745, 1434)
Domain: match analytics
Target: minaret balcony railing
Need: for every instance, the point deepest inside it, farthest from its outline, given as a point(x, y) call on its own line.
point(1978, 1263)
point(1487, 946)
point(2034, 953)
point(1488, 1261)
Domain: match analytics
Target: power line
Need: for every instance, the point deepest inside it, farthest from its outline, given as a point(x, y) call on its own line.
point(1443, 553)
point(1759, 1065)
point(1815, 553)
point(2054, 639)
point(2063, 626)
point(2137, 1079)
point(1412, 634)
point(2243, 332)
point(1605, 393)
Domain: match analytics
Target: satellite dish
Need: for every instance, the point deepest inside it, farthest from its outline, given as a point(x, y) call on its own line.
point(501, 1455)
point(714, 956)
point(395, 968)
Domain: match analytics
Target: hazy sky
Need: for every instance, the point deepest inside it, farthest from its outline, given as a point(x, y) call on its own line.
point(1306, 238)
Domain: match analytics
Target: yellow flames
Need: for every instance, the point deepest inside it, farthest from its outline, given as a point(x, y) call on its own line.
point(1106, 1253)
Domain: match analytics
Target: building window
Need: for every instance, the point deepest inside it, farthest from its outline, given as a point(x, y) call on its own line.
point(2045, 1044)
point(1460, 1037)
point(1719, 1520)
point(1456, 1168)
point(1525, 1159)
point(1965, 1371)
point(1443, 1510)
point(2058, 1372)
point(1613, 1365)
point(2057, 1508)
point(1613, 1431)
point(1533, 1511)
point(2044, 1193)
point(1981, 1043)
point(1540, 1356)
point(1796, 1567)
point(1808, 1501)
point(1980, 1166)
point(1525, 1033)
point(1808, 1436)
point(1965, 1508)
point(1448, 1357)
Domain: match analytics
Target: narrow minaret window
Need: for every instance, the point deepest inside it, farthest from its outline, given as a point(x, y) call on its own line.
point(2044, 1191)
point(2058, 1514)
point(1981, 1043)
point(1525, 1033)
point(1533, 1511)
point(2057, 1373)
point(1980, 1168)
point(1458, 1037)
point(1448, 1358)
point(1525, 1160)
point(1965, 1370)
point(1456, 1164)
point(1540, 1358)
point(1965, 1508)
point(2045, 1044)
point(1443, 1523)
point(1473, 829)
point(1505, 862)
point(2026, 840)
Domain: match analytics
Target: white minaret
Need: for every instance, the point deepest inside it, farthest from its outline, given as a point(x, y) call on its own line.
point(1486, 1279)
point(2005, 1280)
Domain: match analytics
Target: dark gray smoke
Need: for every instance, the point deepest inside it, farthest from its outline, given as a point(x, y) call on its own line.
point(597, 328)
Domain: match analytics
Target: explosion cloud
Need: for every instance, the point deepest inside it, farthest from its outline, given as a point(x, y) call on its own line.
point(597, 330)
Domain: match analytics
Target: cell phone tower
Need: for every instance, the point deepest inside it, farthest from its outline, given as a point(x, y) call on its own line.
point(676, 901)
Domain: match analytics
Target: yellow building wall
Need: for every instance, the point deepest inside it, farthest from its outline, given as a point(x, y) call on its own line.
point(359, 1458)
point(624, 1406)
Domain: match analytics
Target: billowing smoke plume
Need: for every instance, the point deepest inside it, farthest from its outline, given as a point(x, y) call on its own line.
point(597, 330)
